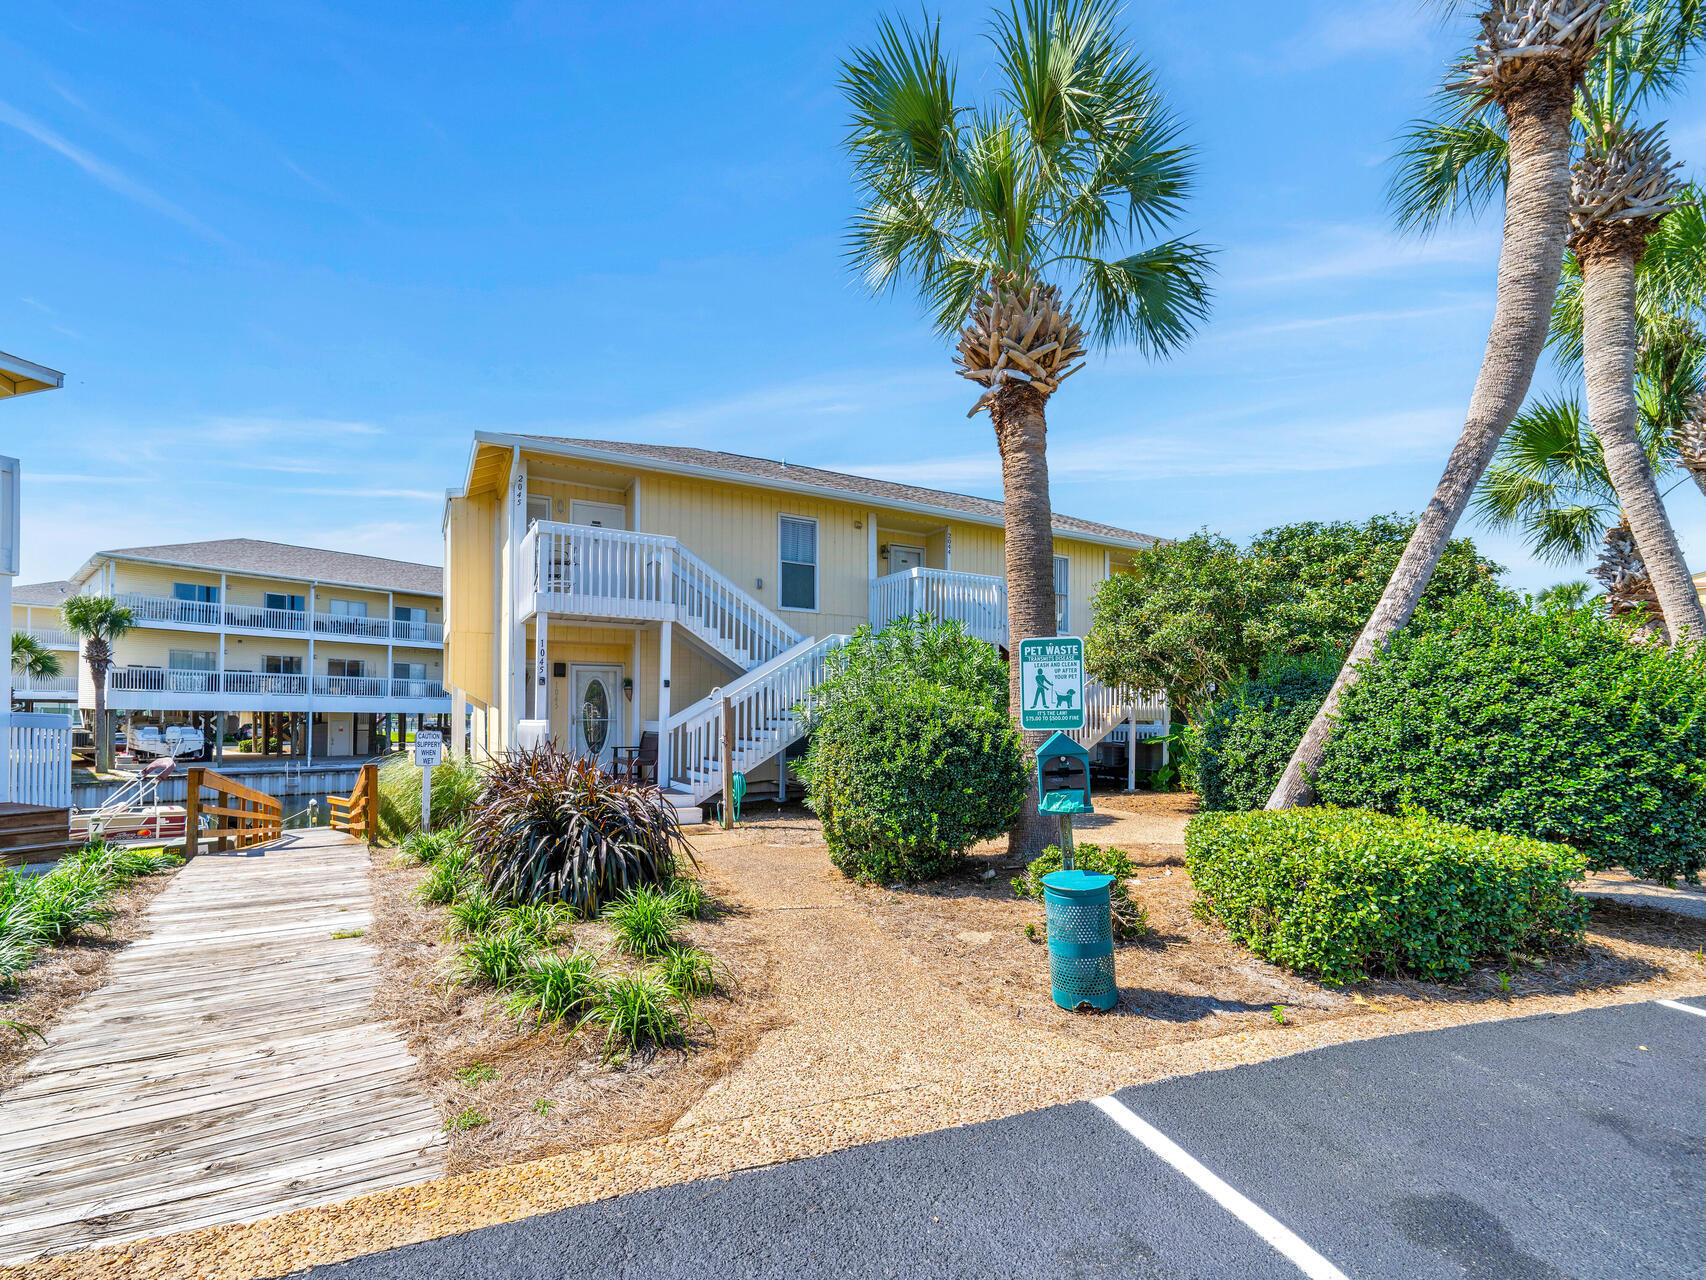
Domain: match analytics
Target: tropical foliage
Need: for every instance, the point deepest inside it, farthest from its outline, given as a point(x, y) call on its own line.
point(1020, 222)
point(456, 788)
point(30, 657)
point(550, 827)
point(98, 621)
point(1197, 616)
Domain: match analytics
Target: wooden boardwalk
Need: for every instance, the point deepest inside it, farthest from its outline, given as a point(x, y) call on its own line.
point(230, 1069)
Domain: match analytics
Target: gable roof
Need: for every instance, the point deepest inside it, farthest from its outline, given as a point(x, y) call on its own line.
point(741, 467)
point(281, 560)
point(43, 592)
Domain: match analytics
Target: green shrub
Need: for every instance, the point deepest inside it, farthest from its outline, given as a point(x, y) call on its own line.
point(636, 1010)
point(72, 896)
point(644, 921)
point(495, 959)
point(1344, 893)
point(456, 786)
point(1130, 920)
point(554, 828)
point(1553, 725)
point(690, 899)
point(1243, 742)
point(906, 776)
point(551, 988)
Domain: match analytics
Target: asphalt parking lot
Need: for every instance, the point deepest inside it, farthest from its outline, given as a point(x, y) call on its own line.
point(1557, 1147)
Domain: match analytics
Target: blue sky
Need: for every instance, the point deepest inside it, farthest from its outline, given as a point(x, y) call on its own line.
point(291, 255)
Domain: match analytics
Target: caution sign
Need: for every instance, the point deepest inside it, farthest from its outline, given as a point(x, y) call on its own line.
point(1051, 683)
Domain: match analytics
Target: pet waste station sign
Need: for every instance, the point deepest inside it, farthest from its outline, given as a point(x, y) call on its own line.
point(1051, 683)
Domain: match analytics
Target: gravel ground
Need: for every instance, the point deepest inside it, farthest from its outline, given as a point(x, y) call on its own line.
point(892, 1013)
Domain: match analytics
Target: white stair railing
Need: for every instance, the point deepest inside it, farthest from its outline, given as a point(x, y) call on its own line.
point(761, 705)
point(1106, 707)
point(611, 573)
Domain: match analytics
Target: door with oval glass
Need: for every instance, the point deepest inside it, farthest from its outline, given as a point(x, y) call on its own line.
point(595, 712)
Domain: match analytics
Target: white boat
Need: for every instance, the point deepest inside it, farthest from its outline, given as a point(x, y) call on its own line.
point(134, 814)
point(176, 742)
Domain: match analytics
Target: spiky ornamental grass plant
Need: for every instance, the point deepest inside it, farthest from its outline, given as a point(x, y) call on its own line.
point(551, 989)
point(637, 1010)
point(1019, 223)
point(644, 921)
point(553, 828)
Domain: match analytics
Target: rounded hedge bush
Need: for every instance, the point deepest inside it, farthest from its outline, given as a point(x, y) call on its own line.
point(1344, 893)
point(907, 775)
point(1242, 743)
point(1553, 724)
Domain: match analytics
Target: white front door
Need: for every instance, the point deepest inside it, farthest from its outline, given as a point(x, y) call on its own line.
point(601, 515)
point(595, 711)
point(903, 558)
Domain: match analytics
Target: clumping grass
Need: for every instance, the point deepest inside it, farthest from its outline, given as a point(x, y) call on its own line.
point(456, 788)
point(122, 863)
point(636, 1010)
point(422, 848)
point(474, 911)
point(690, 898)
point(69, 898)
point(644, 921)
point(476, 1073)
point(547, 923)
point(465, 1119)
point(447, 881)
point(688, 971)
point(554, 988)
point(496, 959)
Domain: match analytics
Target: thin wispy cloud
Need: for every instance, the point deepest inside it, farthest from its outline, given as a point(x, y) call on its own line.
point(107, 175)
point(1356, 253)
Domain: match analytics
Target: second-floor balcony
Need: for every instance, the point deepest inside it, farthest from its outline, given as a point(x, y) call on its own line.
point(976, 601)
point(202, 685)
point(167, 611)
point(52, 637)
point(28, 686)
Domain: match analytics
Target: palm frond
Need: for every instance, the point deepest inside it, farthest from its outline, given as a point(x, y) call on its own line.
point(902, 95)
point(1153, 299)
point(1444, 168)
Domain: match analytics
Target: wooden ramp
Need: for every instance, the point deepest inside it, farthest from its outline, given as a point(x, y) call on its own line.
point(229, 1070)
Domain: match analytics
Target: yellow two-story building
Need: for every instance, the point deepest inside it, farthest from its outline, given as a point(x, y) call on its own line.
point(35, 612)
point(323, 649)
point(614, 596)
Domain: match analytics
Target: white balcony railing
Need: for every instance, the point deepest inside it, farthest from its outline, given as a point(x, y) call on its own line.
point(977, 601)
point(264, 684)
point(65, 683)
point(610, 573)
point(52, 638)
point(167, 611)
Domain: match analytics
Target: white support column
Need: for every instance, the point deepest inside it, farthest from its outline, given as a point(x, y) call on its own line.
point(1131, 750)
point(871, 565)
point(664, 763)
point(308, 715)
point(636, 722)
point(542, 669)
point(6, 688)
point(515, 676)
point(458, 722)
point(948, 547)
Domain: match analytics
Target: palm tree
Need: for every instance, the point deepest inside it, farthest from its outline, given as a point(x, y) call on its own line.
point(30, 657)
point(1549, 481)
point(1523, 73)
point(98, 620)
point(1015, 222)
point(1624, 184)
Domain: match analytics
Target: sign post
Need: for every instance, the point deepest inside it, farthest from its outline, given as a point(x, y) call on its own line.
point(1051, 683)
point(429, 754)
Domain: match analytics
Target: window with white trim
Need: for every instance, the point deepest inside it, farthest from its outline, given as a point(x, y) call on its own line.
point(191, 660)
point(799, 563)
point(1062, 594)
point(347, 608)
point(348, 667)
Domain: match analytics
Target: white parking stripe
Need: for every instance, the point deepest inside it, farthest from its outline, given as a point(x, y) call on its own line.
point(1252, 1215)
point(1686, 1008)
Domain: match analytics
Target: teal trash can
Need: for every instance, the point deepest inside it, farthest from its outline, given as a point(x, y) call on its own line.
point(1080, 939)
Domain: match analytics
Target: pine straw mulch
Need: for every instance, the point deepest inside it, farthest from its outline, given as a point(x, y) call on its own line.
point(452, 1027)
point(61, 976)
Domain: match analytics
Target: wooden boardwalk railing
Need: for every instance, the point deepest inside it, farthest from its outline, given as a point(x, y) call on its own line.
point(357, 814)
point(242, 816)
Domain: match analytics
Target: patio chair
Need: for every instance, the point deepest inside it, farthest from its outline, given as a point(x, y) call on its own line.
point(639, 764)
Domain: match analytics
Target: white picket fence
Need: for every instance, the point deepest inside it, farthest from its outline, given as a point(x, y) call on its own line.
point(39, 759)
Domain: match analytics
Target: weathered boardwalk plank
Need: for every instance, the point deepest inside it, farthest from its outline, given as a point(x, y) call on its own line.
point(230, 1069)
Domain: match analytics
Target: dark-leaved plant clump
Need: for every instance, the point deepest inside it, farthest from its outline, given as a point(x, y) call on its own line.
point(912, 759)
point(549, 827)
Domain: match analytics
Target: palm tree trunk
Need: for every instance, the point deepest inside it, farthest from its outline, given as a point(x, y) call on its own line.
point(1537, 222)
point(103, 730)
point(1021, 431)
point(1608, 345)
